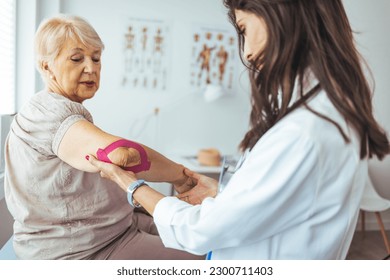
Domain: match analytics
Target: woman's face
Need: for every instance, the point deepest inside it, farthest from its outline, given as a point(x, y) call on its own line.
point(254, 31)
point(75, 73)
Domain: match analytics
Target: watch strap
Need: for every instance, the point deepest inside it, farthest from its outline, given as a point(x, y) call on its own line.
point(131, 189)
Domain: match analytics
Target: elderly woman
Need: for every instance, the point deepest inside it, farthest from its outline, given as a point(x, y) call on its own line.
point(62, 208)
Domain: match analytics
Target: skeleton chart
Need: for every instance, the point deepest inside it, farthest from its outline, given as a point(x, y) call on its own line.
point(145, 54)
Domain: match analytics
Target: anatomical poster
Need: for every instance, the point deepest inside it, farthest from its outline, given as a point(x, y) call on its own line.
point(213, 57)
point(145, 47)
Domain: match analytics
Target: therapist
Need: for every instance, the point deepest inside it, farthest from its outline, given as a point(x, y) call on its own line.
point(297, 193)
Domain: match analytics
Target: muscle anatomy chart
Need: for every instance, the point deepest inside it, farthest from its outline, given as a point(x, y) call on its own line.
point(213, 58)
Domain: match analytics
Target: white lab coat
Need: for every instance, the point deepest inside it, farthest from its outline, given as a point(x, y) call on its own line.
point(296, 196)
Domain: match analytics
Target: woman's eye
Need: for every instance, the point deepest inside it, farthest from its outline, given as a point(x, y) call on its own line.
point(76, 59)
point(96, 59)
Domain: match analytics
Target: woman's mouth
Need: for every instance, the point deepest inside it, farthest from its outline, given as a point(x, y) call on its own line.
point(88, 83)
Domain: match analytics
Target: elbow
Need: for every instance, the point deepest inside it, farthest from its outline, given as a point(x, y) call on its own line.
point(125, 157)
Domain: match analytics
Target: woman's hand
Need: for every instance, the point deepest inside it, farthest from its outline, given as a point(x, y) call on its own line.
point(184, 184)
point(205, 187)
point(113, 172)
point(145, 195)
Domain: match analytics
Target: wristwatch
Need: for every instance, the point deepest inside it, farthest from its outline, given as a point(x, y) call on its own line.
point(131, 189)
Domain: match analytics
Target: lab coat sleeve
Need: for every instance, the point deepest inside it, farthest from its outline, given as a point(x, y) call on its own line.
point(274, 189)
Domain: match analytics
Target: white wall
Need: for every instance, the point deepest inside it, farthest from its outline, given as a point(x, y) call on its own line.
point(216, 121)
point(185, 122)
point(370, 20)
point(6, 220)
point(129, 113)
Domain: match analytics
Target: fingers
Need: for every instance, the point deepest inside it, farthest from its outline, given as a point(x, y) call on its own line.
point(192, 174)
point(103, 175)
point(188, 172)
point(190, 199)
point(107, 170)
point(97, 163)
point(184, 197)
point(101, 165)
point(186, 193)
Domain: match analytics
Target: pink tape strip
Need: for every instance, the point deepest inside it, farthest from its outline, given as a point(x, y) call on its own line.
point(143, 166)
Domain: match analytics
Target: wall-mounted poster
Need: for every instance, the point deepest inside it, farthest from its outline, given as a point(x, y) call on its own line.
point(213, 58)
point(145, 54)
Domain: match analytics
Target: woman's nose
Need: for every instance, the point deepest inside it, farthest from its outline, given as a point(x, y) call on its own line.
point(248, 57)
point(90, 66)
point(247, 53)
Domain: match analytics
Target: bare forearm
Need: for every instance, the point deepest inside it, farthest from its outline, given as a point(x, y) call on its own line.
point(148, 198)
point(144, 195)
point(162, 169)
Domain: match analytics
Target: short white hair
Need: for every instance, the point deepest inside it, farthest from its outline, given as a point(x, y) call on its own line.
point(53, 32)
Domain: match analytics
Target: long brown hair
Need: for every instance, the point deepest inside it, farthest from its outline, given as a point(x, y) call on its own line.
point(305, 34)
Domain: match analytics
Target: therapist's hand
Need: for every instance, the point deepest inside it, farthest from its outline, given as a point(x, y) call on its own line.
point(185, 184)
point(113, 172)
point(205, 187)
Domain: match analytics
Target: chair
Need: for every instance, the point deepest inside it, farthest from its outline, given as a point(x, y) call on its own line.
point(7, 251)
point(379, 172)
point(372, 201)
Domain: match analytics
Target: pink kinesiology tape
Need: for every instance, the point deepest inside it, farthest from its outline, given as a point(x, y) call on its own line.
point(143, 166)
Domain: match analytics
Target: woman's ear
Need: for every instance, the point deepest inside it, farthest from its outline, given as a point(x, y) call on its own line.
point(45, 66)
point(46, 70)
